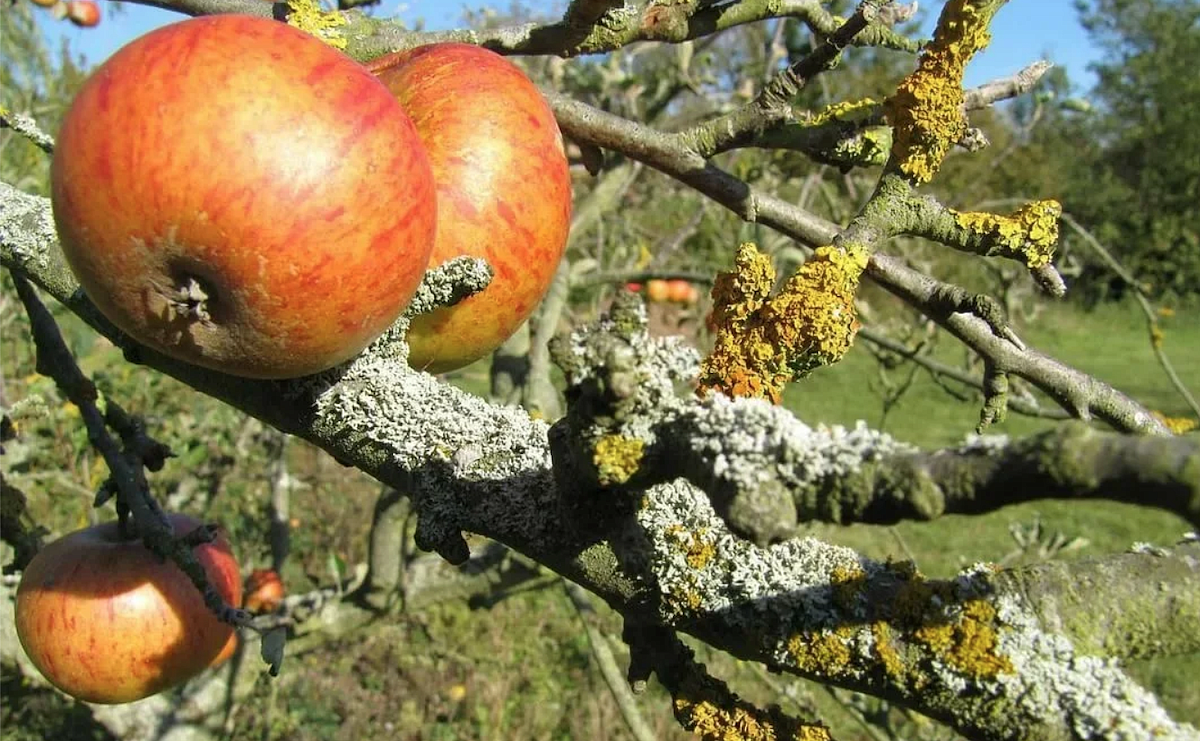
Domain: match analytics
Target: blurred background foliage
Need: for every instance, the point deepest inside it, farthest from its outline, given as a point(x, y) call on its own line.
point(1124, 160)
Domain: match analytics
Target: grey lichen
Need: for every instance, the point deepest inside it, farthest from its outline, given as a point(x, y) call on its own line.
point(449, 283)
point(1050, 678)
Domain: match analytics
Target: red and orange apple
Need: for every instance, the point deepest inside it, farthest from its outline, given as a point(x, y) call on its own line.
point(108, 621)
point(504, 191)
point(264, 591)
point(234, 193)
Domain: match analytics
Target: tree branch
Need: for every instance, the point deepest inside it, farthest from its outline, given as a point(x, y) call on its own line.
point(589, 26)
point(474, 467)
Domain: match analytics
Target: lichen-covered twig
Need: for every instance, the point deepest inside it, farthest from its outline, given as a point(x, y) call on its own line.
point(1082, 395)
point(28, 128)
point(587, 28)
point(992, 472)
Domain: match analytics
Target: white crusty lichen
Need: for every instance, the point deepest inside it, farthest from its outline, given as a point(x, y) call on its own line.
point(750, 441)
point(449, 283)
point(1051, 680)
point(471, 460)
point(703, 569)
point(26, 227)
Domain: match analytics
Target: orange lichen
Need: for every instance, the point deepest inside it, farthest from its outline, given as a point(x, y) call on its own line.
point(893, 664)
point(762, 343)
point(616, 458)
point(1030, 232)
point(926, 109)
point(969, 643)
point(826, 651)
point(705, 706)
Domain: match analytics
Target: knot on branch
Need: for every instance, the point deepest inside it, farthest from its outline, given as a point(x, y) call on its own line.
point(620, 382)
point(667, 20)
point(764, 341)
point(927, 108)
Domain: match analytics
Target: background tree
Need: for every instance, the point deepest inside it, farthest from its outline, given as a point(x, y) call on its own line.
point(709, 518)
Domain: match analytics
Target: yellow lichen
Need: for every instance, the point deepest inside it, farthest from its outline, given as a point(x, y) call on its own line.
point(711, 722)
point(762, 343)
point(617, 457)
point(1177, 425)
point(847, 584)
point(698, 548)
point(827, 651)
point(847, 110)
point(893, 664)
point(926, 109)
point(308, 16)
point(1030, 232)
point(969, 643)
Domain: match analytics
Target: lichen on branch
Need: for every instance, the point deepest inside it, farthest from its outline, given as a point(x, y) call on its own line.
point(308, 16)
point(926, 110)
point(1030, 233)
point(763, 341)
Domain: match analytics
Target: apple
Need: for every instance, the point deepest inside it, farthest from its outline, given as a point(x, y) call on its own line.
point(657, 290)
point(227, 651)
point(633, 287)
point(83, 13)
point(264, 591)
point(106, 620)
point(504, 190)
point(681, 292)
point(236, 194)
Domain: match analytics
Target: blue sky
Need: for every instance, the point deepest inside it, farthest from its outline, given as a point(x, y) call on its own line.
point(1023, 31)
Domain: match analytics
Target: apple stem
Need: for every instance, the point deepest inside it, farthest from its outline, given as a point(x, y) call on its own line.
point(193, 300)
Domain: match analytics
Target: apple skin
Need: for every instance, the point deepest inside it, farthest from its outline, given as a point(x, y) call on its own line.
point(504, 190)
point(264, 169)
point(107, 621)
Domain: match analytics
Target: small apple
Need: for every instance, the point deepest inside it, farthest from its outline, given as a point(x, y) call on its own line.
point(633, 287)
point(264, 591)
point(234, 193)
point(107, 621)
point(681, 292)
point(657, 290)
point(504, 190)
point(83, 13)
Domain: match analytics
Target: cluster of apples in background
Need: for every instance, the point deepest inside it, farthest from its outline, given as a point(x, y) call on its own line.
point(236, 194)
point(674, 291)
point(83, 13)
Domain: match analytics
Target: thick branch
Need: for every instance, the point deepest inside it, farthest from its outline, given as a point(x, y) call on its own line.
point(471, 466)
point(1067, 462)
